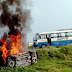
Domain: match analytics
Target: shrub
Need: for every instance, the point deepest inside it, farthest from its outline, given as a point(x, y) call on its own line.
point(66, 49)
point(54, 53)
point(42, 54)
point(60, 56)
point(50, 54)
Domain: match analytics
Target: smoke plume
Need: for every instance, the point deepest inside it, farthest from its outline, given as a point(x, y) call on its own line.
point(15, 16)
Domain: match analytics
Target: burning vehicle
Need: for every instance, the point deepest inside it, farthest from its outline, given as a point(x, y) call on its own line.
point(15, 17)
point(28, 57)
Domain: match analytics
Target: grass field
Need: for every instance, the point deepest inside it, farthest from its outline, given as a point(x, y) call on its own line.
point(50, 59)
point(53, 65)
point(54, 59)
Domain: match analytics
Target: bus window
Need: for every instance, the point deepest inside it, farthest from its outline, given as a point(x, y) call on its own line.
point(52, 36)
point(43, 36)
point(55, 35)
point(59, 34)
point(39, 37)
point(69, 33)
point(63, 34)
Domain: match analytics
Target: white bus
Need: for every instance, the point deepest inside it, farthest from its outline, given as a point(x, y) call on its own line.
point(57, 38)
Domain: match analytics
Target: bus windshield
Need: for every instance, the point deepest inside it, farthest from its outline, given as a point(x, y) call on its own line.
point(36, 37)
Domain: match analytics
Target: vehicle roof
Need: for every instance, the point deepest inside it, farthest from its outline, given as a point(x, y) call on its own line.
point(60, 31)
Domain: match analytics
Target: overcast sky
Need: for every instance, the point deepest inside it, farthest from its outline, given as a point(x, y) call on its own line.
point(50, 15)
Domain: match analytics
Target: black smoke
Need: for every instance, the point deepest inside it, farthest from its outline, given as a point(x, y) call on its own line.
point(15, 16)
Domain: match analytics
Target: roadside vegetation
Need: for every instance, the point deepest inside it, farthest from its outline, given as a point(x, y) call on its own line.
point(50, 59)
point(54, 59)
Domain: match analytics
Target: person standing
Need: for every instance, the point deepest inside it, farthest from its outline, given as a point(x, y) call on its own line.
point(49, 40)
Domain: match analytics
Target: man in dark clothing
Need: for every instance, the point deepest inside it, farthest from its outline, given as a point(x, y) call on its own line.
point(49, 40)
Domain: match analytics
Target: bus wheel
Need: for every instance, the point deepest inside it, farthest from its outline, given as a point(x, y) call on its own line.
point(43, 46)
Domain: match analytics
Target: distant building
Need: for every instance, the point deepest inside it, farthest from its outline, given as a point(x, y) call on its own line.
point(30, 43)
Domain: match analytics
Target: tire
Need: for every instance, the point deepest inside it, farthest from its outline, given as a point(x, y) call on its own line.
point(11, 63)
point(43, 46)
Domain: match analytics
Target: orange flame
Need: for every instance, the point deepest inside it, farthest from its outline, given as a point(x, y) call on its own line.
point(16, 45)
point(4, 49)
